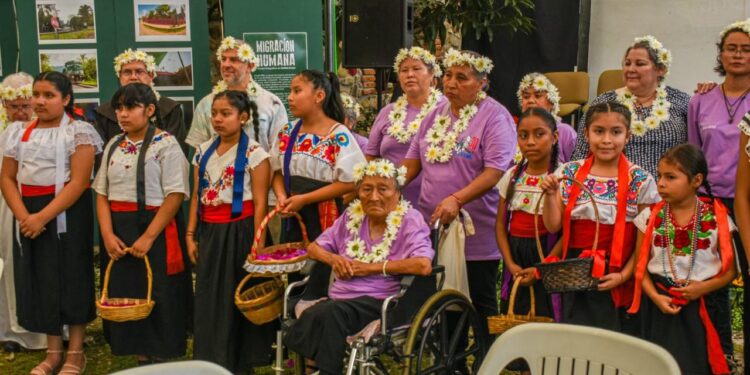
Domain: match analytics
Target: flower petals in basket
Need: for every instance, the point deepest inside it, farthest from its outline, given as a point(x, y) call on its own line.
point(125, 309)
point(277, 259)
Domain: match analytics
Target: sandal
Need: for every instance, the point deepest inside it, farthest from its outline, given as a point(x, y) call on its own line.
point(44, 368)
point(73, 369)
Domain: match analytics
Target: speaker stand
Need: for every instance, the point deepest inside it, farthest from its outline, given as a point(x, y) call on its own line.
point(381, 84)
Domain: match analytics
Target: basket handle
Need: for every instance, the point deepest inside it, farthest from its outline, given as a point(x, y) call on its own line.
point(242, 284)
point(264, 224)
point(149, 277)
point(513, 291)
point(536, 215)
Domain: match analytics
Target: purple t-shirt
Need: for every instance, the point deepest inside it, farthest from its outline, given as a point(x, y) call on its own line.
point(566, 140)
point(413, 240)
point(488, 142)
point(361, 141)
point(709, 128)
point(383, 145)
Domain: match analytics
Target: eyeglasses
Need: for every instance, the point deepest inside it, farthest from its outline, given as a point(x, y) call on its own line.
point(18, 107)
point(133, 72)
point(734, 49)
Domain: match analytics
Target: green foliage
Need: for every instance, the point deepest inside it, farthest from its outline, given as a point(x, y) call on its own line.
point(483, 16)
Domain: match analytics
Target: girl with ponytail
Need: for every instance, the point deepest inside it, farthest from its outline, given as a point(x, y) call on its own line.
point(313, 162)
point(685, 256)
point(45, 180)
point(141, 184)
point(229, 201)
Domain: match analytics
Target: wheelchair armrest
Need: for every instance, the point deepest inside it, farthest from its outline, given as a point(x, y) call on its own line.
point(437, 269)
point(406, 281)
point(288, 291)
point(391, 300)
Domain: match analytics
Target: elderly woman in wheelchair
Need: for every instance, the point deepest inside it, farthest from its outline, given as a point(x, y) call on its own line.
point(379, 238)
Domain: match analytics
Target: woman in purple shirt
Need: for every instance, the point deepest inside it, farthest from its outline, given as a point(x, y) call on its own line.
point(379, 238)
point(713, 120)
point(536, 90)
point(462, 149)
point(398, 122)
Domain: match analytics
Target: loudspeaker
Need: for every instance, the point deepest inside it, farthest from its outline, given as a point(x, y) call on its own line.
point(374, 31)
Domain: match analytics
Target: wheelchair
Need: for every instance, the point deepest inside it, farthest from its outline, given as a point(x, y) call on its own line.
point(442, 330)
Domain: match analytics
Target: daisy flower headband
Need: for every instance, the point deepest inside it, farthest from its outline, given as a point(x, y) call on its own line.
point(244, 51)
point(663, 55)
point(13, 93)
point(742, 25)
point(379, 167)
point(540, 82)
point(417, 53)
point(130, 55)
point(481, 64)
point(351, 104)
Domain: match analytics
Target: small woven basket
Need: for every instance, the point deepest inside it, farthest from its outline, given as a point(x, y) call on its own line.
point(125, 309)
point(500, 323)
point(261, 303)
point(568, 275)
point(256, 252)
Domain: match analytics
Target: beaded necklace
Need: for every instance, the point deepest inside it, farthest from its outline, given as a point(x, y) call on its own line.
point(666, 243)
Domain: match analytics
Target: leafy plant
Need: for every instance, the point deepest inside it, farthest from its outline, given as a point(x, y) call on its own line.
point(484, 16)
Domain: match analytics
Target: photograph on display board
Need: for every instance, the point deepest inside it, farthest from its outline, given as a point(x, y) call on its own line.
point(78, 64)
point(165, 20)
point(174, 68)
point(65, 21)
point(86, 108)
point(188, 105)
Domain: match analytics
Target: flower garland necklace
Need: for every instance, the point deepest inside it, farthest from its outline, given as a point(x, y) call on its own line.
point(404, 134)
point(355, 248)
point(659, 111)
point(252, 89)
point(667, 245)
point(440, 141)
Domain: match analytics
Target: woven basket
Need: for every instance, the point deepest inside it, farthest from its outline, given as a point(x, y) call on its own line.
point(568, 275)
point(255, 252)
point(125, 309)
point(261, 303)
point(500, 323)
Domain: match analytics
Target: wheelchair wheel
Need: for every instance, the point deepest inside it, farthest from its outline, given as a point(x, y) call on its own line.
point(435, 346)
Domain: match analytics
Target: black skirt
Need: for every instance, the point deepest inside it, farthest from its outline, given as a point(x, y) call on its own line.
point(163, 333)
point(597, 309)
point(682, 335)
point(222, 334)
point(54, 276)
point(525, 254)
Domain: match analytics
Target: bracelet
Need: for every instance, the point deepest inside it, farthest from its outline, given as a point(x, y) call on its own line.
point(384, 264)
point(456, 198)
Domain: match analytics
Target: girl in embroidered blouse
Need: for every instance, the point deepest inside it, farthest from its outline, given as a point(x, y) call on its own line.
point(129, 234)
point(313, 162)
point(229, 201)
point(45, 178)
point(519, 193)
point(603, 172)
point(685, 255)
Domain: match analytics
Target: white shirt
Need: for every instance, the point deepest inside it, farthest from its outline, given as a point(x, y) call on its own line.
point(527, 191)
point(166, 170)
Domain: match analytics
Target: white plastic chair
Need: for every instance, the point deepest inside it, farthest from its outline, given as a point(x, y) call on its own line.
point(177, 368)
point(570, 349)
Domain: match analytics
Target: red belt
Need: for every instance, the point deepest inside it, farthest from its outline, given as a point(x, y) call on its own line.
point(522, 225)
point(37, 191)
point(175, 262)
point(222, 213)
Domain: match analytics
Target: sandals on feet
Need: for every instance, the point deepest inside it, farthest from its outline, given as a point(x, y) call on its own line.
point(70, 369)
point(44, 368)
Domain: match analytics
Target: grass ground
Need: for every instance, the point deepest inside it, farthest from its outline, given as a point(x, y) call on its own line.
point(87, 33)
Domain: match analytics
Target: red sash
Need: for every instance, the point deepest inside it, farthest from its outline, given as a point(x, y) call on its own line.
point(222, 213)
point(175, 263)
point(522, 225)
point(37, 191)
point(327, 213)
point(726, 252)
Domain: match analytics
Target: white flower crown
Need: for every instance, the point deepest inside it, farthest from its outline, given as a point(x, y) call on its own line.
point(13, 93)
point(244, 51)
point(351, 104)
point(379, 167)
point(130, 55)
point(481, 64)
point(663, 55)
point(417, 53)
point(540, 83)
point(742, 25)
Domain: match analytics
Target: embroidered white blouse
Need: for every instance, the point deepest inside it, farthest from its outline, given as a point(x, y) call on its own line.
point(220, 172)
point(527, 191)
point(166, 170)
